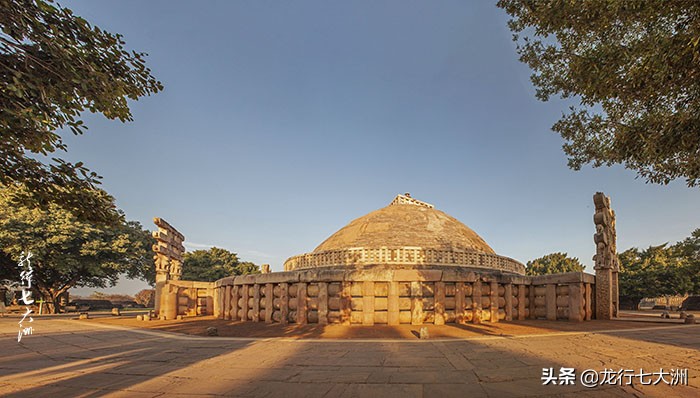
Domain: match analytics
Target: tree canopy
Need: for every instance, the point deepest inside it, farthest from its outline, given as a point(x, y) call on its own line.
point(690, 250)
point(213, 264)
point(146, 297)
point(661, 270)
point(53, 66)
point(634, 66)
point(554, 263)
point(66, 251)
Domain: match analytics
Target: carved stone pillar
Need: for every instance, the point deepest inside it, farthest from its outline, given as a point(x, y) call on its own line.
point(606, 261)
point(168, 257)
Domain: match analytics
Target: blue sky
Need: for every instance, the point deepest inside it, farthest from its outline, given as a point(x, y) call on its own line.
point(281, 122)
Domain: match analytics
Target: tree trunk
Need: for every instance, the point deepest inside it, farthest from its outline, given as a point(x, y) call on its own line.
point(52, 304)
point(51, 295)
point(51, 300)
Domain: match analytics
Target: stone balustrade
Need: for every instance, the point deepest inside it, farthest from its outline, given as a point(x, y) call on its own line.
point(403, 295)
point(187, 298)
point(403, 255)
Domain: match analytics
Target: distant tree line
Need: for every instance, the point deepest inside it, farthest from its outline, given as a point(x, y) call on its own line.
point(663, 270)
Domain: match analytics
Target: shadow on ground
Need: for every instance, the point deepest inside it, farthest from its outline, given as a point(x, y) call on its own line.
point(78, 358)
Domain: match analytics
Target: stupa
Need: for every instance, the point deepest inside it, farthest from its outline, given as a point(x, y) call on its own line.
point(406, 263)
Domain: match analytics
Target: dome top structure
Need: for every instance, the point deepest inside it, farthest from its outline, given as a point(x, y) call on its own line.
point(406, 222)
point(407, 232)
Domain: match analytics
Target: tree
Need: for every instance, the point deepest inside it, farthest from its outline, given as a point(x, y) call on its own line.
point(53, 66)
point(68, 252)
point(633, 278)
point(635, 69)
point(689, 249)
point(114, 298)
point(654, 272)
point(213, 264)
point(146, 297)
point(554, 263)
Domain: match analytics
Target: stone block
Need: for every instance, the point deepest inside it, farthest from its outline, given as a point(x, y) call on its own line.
point(323, 303)
point(276, 277)
point(458, 274)
point(423, 333)
point(374, 274)
point(508, 304)
point(551, 302)
point(439, 303)
point(323, 275)
point(411, 275)
point(393, 307)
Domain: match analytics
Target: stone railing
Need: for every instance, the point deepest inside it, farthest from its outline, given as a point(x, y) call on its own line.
point(402, 256)
point(186, 298)
point(403, 295)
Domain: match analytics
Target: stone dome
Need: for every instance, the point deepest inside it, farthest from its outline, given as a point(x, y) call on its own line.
point(408, 232)
point(406, 225)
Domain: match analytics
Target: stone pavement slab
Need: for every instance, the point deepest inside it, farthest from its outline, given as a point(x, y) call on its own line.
point(66, 358)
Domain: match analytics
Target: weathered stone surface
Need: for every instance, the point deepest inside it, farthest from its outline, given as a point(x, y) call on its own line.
point(405, 233)
point(424, 335)
point(459, 274)
point(251, 279)
point(370, 274)
point(168, 257)
point(606, 260)
point(417, 275)
point(565, 277)
point(400, 225)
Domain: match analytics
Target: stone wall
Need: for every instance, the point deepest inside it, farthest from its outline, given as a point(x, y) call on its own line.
point(187, 298)
point(410, 295)
point(403, 255)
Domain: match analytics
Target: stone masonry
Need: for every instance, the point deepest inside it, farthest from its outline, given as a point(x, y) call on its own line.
point(606, 261)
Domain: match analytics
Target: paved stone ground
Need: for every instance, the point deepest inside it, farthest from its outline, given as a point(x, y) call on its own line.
point(197, 326)
point(66, 358)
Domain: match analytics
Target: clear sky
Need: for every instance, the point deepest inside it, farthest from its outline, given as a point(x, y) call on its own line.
point(282, 121)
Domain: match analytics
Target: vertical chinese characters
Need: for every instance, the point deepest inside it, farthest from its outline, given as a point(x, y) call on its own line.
point(26, 272)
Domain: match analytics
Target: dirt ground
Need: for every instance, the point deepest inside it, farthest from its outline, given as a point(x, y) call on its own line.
point(197, 326)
